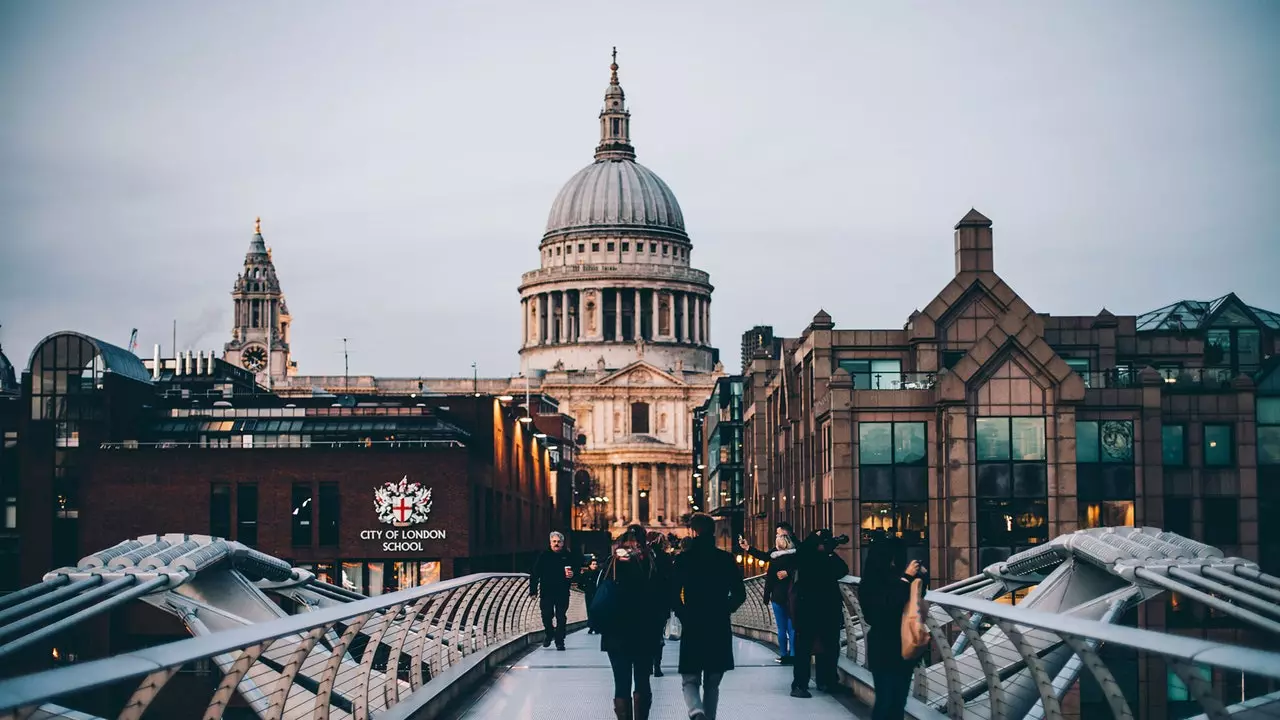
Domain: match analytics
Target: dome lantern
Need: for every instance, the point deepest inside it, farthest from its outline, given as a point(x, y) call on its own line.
point(615, 121)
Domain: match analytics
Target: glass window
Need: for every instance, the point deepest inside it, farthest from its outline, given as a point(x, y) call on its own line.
point(1268, 411)
point(886, 374)
point(1027, 438)
point(992, 439)
point(302, 512)
point(1081, 367)
point(329, 500)
point(1173, 445)
point(1217, 446)
point(1178, 690)
point(353, 576)
point(951, 357)
point(1177, 516)
point(1221, 521)
point(639, 417)
point(377, 578)
point(247, 513)
point(1248, 348)
point(875, 443)
point(908, 443)
point(1086, 441)
point(1108, 513)
point(1217, 347)
point(428, 572)
point(220, 510)
point(1116, 437)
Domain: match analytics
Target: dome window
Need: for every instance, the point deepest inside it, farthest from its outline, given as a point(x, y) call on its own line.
point(664, 248)
point(653, 248)
point(609, 247)
point(595, 247)
point(582, 247)
point(626, 247)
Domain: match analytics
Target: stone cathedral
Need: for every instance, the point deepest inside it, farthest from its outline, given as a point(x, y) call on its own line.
point(616, 327)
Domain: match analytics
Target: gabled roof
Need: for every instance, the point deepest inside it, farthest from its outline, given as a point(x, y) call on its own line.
point(1196, 314)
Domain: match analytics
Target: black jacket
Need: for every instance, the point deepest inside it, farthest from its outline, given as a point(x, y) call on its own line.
point(817, 606)
point(548, 572)
point(776, 590)
point(587, 583)
point(706, 588)
point(883, 601)
point(643, 596)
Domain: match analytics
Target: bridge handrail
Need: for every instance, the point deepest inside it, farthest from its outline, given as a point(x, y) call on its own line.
point(459, 612)
point(970, 666)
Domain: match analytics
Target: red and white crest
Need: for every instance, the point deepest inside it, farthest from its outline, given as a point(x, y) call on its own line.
point(402, 503)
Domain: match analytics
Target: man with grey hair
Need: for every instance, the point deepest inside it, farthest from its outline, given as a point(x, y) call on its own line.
point(554, 572)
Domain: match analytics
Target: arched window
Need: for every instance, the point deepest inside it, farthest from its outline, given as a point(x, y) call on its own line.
point(639, 417)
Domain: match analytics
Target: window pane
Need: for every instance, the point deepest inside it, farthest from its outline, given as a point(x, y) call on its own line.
point(1117, 441)
point(247, 514)
point(376, 579)
point(1268, 445)
point(220, 510)
point(992, 439)
point(1217, 347)
point(886, 374)
point(1177, 516)
point(329, 513)
point(1269, 411)
point(353, 576)
point(912, 522)
point(909, 443)
point(1221, 521)
point(1173, 445)
point(1217, 445)
point(1028, 439)
point(875, 443)
point(877, 521)
point(1248, 348)
point(1086, 441)
point(1109, 513)
point(302, 511)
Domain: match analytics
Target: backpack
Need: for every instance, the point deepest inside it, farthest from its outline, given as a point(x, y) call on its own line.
point(915, 634)
point(602, 615)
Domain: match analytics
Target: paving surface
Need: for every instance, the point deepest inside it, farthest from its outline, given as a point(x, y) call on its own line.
point(576, 684)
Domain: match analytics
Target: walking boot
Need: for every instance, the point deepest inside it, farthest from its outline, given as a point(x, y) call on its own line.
point(642, 705)
point(622, 708)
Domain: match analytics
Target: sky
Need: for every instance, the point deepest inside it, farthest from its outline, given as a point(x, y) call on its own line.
point(403, 157)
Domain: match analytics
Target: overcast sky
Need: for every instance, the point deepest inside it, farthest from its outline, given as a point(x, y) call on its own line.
point(403, 157)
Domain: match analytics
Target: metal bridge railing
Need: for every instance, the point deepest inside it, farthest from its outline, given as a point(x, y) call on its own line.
point(349, 660)
point(994, 660)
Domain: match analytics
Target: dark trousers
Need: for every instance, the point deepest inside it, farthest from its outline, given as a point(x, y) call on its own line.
point(892, 687)
point(554, 608)
point(823, 645)
point(628, 666)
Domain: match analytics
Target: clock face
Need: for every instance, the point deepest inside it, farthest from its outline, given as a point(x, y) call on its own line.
point(254, 358)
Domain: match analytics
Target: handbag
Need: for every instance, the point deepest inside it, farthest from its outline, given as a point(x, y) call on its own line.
point(915, 635)
point(602, 614)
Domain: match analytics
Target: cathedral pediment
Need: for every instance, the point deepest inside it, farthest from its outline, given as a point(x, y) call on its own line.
point(640, 374)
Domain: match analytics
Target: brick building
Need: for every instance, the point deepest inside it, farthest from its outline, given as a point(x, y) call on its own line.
point(113, 447)
point(983, 427)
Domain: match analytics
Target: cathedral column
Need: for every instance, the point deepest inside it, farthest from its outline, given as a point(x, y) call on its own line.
point(615, 503)
point(524, 322)
point(671, 313)
point(653, 320)
point(564, 316)
point(635, 316)
point(697, 320)
point(635, 492)
point(706, 320)
point(685, 334)
point(582, 321)
point(617, 315)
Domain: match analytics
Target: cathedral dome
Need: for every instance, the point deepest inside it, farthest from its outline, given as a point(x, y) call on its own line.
point(615, 193)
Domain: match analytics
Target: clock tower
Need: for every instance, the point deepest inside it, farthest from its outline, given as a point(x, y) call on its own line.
point(260, 336)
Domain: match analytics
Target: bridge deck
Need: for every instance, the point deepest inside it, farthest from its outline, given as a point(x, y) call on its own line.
point(547, 684)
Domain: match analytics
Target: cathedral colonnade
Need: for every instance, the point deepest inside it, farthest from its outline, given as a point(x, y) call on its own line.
point(609, 314)
point(653, 494)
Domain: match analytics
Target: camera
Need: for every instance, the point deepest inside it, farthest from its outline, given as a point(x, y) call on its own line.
point(839, 540)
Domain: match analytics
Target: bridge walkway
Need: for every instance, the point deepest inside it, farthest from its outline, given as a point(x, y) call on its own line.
point(576, 684)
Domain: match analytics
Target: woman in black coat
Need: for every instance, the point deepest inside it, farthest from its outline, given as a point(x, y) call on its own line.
point(587, 582)
point(664, 559)
point(883, 593)
point(706, 590)
point(641, 595)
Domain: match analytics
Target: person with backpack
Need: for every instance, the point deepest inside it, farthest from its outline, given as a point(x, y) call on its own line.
point(706, 589)
point(884, 593)
point(631, 603)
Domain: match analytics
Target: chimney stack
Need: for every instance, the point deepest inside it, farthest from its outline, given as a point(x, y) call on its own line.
point(973, 244)
point(155, 363)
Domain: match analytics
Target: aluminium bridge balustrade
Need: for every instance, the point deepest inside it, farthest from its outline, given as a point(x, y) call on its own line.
point(340, 655)
point(996, 660)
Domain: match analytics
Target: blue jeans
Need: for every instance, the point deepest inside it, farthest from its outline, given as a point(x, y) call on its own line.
point(786, 630)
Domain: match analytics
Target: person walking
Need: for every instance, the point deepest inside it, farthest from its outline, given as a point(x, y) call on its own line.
point(588, 583)
point(553, 572)
point(706, 590)
point(779, 576)
point(818, 613)
point(640, 597)
point(663, 558)
point(883, 593)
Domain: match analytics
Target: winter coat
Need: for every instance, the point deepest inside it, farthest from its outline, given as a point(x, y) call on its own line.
point(776, 590)
point(883, 603)
point(642, 595)
point(548, 573)
point(706, 589)
point(816, 604)
point(587, 583)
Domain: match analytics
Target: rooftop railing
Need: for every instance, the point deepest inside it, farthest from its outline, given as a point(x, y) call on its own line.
point(893, 380)
point(360, 658)
point(976, 673)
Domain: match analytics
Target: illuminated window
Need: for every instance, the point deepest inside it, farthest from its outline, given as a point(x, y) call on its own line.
point(1219, 450)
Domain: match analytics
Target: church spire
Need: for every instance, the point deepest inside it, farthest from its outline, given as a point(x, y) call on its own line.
point(615, 121)
point(257, 246)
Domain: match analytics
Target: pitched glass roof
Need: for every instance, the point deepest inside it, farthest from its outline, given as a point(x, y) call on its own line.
point(1192, 314)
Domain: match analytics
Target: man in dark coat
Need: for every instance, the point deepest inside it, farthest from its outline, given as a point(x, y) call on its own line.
point(588, 582)
point(818, 611)
point(555, 571)
point(707, 588)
